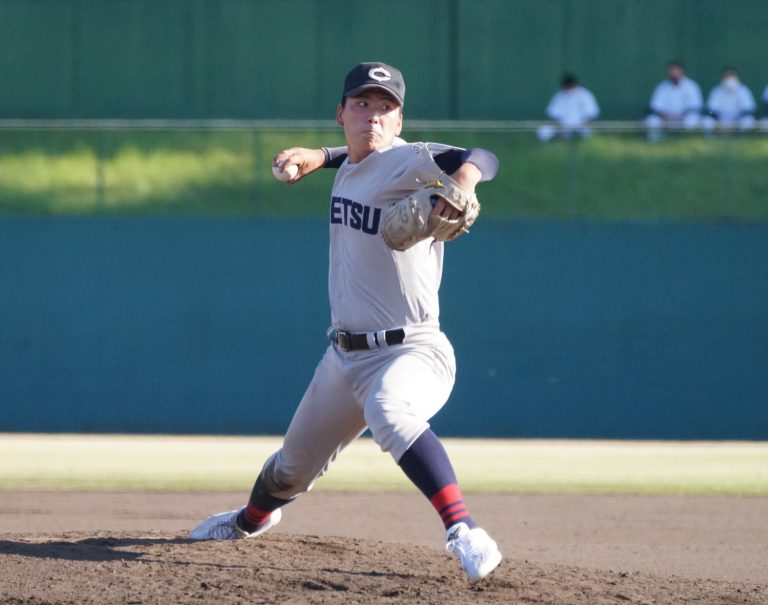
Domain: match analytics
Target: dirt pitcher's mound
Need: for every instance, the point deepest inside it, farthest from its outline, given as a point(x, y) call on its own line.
point(163, 568)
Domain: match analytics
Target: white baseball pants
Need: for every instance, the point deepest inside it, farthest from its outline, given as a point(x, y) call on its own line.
point(394, 391)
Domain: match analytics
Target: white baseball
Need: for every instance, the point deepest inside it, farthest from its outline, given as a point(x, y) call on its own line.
point(290, 171)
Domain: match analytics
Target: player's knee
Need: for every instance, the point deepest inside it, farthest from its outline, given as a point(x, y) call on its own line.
point(653, 121)
point(747, 122)
point(691, 121)
point(393, 431)
point(284, 479)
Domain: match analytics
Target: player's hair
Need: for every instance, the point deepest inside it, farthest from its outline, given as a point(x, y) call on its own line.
point(569, 79)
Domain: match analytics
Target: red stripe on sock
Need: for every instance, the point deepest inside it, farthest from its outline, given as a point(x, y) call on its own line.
point(452, 508)
point(448, 495)
point(449, 504)
point(256, 516)
point(456, 516)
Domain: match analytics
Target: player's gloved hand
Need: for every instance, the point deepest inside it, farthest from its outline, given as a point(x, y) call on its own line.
point(442, 210)
point(306, 160)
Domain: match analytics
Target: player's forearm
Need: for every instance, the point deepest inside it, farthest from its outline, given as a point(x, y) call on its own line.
point(334, 156)
point(485, 161)
point(467, 176)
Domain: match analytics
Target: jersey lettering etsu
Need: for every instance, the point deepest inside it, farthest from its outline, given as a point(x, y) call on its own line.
point(355, 215)
point(370, 286)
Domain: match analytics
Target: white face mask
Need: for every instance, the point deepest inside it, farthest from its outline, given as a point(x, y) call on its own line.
point(731, 82)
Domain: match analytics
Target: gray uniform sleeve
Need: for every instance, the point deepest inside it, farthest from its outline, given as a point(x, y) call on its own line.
point(449, 161)
point(487, 163)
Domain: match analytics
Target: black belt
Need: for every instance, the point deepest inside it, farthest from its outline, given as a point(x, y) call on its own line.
point(347, 341)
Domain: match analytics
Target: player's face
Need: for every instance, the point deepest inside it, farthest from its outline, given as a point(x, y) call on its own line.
point(371, 121)
point(675, 73)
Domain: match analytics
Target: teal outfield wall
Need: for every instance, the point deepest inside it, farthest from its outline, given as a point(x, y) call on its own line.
point(463, 59)
point(214, 326)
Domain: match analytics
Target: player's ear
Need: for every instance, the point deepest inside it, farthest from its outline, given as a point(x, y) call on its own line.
point(399, 127)
point(339, 119)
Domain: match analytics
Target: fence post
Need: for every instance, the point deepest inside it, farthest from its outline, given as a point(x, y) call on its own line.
point(101, 158)
point(572, 177)
point(729, 206)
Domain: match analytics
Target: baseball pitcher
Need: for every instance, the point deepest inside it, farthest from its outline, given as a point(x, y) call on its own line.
point(388, 368)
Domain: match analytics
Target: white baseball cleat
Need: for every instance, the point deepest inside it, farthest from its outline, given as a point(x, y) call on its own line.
point(478, 553)
point(223, 526)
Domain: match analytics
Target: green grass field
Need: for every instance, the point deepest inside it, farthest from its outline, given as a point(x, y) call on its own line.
point(612, 176)
point(119, 462)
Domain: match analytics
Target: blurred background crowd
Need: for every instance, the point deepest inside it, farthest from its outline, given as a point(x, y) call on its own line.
point(676, 103)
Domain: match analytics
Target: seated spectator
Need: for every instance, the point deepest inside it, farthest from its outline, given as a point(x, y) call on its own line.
point(676, 103)
point(730, 104)
point(572, 108)
point(764, 121)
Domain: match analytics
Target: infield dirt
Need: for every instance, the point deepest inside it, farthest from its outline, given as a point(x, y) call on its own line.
point(383, 548)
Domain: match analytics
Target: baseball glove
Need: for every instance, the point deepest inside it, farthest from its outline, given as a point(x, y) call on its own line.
point(411, 220)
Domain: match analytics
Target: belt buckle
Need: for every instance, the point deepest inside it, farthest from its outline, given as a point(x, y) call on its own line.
point(342, 340)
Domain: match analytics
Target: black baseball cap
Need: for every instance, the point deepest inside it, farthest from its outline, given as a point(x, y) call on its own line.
point(375, 75)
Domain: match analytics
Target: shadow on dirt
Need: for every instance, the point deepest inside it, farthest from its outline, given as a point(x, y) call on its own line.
point(89, 549)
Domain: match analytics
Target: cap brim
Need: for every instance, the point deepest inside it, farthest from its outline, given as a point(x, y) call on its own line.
point(356, 91)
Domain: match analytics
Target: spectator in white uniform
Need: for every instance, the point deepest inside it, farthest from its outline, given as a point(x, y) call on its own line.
point(572, 108)
point(731, 104)
point(764, 121)
point(676, 103)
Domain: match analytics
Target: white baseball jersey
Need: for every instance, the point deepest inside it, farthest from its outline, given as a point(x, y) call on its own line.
point(370, 286)
point(731, 103)
point(573, 107)
point(677, 99)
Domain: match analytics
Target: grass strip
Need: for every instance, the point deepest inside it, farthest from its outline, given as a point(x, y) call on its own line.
point(160, 463)
point(221, 173)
